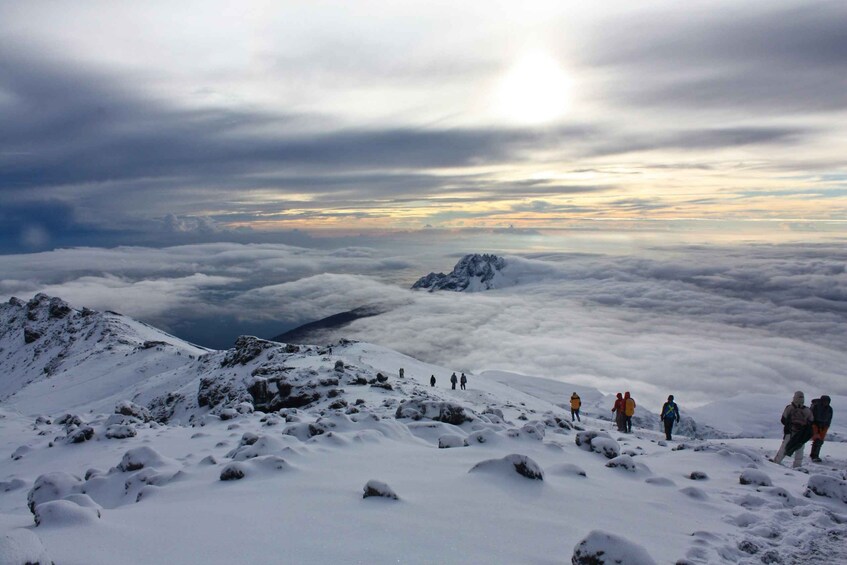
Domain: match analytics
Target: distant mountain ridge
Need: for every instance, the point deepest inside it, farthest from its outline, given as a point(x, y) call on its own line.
point(473, 272)
point(309, 333)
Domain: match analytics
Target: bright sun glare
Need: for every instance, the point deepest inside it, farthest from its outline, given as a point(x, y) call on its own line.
point(535, 90)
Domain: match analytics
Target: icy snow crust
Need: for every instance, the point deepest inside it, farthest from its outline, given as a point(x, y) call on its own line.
point(262, 453)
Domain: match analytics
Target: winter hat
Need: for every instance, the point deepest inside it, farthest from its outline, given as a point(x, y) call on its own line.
point(670, 398)
point(826, 399)
point(799, 398)
point(619, 395)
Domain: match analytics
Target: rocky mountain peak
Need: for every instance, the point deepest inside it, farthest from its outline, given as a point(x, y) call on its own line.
point(473, 272)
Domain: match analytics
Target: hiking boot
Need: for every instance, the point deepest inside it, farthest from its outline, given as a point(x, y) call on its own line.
point(816, 459)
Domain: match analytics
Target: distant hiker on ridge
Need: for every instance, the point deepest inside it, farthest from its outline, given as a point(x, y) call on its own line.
point(796, 428)
point(432, 380)
point(463, 381)
point(628, 411)
point(618, 409)
point(669, 415)
point(575, 404)
point(453, 380)
point(822, 418)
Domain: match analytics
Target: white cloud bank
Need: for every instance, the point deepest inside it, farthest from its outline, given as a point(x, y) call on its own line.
point(699, 322)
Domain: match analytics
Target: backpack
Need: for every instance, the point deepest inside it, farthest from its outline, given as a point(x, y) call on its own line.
point(670, 412)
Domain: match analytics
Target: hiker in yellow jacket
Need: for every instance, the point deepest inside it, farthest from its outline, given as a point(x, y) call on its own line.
point(575, 404)
point(628, 411)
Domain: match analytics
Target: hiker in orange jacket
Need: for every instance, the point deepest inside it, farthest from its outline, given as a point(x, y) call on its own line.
point(576, 403)
point(628, 411)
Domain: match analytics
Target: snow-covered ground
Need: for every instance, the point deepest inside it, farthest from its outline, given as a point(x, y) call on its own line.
point(142, 491)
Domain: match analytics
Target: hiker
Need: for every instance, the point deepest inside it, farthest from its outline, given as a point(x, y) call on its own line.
point(669, 415)
point(796, 428)
point(618, 409)
point(821, 419)
point(463, 381)
point(453, 380)
point(575, 404)
point(628, 411)
point(432, 380)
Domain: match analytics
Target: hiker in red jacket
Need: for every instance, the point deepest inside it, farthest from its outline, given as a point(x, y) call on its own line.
point(618, 409)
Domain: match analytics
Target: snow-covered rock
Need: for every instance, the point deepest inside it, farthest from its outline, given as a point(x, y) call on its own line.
point(22, 547)
point(52, 486)
point(64, 513)
point(603, 548)
point(378, 489)
point(439, 411)
point(451, 440)
point(473, 272)
point(830, 487)
point(755, 477)
point(509, 465)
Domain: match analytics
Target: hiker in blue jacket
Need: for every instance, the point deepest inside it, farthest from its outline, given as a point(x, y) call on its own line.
point(669, 415)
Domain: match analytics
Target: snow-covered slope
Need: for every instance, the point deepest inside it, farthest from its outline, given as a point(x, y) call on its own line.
point(271, 452)
point(55, 357)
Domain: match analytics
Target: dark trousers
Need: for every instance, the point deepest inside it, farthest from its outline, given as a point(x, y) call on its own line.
point(575, 412)
point(816, 448)
point(668, 427)
point(454, 386)
point(628, 424)
point(463, 386)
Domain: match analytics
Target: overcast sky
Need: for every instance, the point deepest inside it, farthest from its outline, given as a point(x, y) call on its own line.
point(161, 122)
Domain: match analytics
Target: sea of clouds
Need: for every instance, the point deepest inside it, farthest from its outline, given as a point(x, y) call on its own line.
point(701, 322)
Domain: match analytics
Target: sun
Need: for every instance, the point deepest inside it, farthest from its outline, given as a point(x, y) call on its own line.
point(535, 90)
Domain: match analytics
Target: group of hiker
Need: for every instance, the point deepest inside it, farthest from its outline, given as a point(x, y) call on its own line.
point(624, 409)
point(462, 381)
point(800, 424)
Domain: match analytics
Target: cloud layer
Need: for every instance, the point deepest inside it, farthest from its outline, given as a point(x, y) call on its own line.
point(698, 321)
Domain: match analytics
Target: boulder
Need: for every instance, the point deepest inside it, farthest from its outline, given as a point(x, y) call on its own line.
point(826, 486)
point(52, 486)
point(233, 472)
point(514, 463)
point(755, 477)
point(127, 408)
point(20, 546)
point(379, 489)
point(439, 411)
point(602, 548)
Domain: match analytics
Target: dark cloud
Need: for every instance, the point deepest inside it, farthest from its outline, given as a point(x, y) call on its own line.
point(757, 57)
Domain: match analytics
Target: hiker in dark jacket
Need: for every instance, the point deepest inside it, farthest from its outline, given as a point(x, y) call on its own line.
point(453, 380)
point(432, 380)
point(797, 424)
point(463, 381)
point(821, 419)
point(669, 415)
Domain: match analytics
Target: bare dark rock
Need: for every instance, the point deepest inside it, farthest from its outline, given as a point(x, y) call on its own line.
point(245, 350)
point(79, 435)
point(31, 335)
